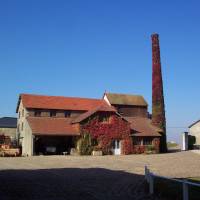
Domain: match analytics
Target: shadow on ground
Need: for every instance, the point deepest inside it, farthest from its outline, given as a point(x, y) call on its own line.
point(71, 183)
point(174, 150)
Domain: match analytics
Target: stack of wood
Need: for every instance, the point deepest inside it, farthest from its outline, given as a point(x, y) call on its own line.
point(6, 147)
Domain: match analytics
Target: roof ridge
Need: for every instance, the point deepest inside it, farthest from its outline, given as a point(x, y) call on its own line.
point(58, 102)
point(194, 123)
point(67, 118)
point(72, 97)
point(8, 117)
point(94, 110)
point(139, 95)
point(126, 99)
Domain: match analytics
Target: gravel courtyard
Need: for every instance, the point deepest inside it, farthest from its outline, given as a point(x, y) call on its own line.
point(88, 177)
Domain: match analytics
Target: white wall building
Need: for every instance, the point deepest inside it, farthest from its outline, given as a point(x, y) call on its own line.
point(194, 130)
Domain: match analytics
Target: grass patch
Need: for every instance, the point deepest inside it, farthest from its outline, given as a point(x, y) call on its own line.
point(171, 145)
point(173, 190)
point(194, 179)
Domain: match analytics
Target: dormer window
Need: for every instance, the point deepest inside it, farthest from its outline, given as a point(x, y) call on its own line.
point(53, 113)
point(67, 113)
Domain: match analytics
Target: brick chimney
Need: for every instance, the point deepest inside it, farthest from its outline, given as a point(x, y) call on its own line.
point(158, 105)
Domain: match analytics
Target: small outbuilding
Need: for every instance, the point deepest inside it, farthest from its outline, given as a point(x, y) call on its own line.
point(8, 126)
point(194, 133)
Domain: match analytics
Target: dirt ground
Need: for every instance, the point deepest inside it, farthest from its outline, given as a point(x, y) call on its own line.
point(89, 177)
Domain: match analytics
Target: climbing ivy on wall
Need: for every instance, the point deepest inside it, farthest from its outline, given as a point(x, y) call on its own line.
point(106, 132)
point(158, 106)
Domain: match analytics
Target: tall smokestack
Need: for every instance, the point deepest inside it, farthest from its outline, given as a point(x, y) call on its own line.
point(158, 105)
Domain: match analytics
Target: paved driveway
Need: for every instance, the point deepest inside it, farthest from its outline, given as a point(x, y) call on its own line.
point(87, 177)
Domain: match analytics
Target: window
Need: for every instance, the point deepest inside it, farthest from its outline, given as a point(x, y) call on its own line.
point(121, 113)
point(23, 113)
point(53, 113)
point(22, 128)
point(19, 115)
point(37, 113)
point(117, 144)
point(147, 141)
point(104, 118)
point(137, 141)
point(18, 128)
point(120, 110)
point(67, 113)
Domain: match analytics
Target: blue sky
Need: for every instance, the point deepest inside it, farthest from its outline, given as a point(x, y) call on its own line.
point(82, 48)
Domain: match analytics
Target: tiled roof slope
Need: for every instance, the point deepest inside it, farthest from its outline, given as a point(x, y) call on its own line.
point(58, 102)
point(143, 126)
point(102, 107)
point(52, 126)
point(126, 99)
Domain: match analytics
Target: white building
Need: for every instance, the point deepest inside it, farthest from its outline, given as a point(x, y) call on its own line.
point(194, 130)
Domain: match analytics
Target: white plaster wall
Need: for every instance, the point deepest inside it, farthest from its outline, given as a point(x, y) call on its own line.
point(106, 99)
point(25, 135)
point(27, 142)
point(195, 131)
point(185, 141)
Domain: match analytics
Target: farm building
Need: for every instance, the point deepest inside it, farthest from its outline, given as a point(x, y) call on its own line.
point(116, 124)
point(194, 131)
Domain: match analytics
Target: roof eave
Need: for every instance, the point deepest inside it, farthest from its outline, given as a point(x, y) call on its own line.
point(8, 126)
point(18, 103)
point(56, 134)
point(193, 123)
point(146, 135)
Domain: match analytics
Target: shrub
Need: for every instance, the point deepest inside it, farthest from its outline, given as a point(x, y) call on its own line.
point(97, 148)
point(84, 144)
point(138, 149)
point(149, 148)
point(127, 146)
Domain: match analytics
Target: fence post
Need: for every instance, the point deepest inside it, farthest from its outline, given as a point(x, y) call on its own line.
point(185, 190)
point(151, 183)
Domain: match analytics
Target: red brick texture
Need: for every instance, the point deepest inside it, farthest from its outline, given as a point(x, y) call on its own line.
point(158, 106)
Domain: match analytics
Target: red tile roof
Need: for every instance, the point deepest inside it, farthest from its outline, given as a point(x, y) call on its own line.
point(103, 107)
point(58, 102)
point(143, 127)
point(52, 126)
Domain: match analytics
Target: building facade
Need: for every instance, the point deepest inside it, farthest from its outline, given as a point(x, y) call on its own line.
point(194, 131)
point(115, 124)
point(8, 126)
